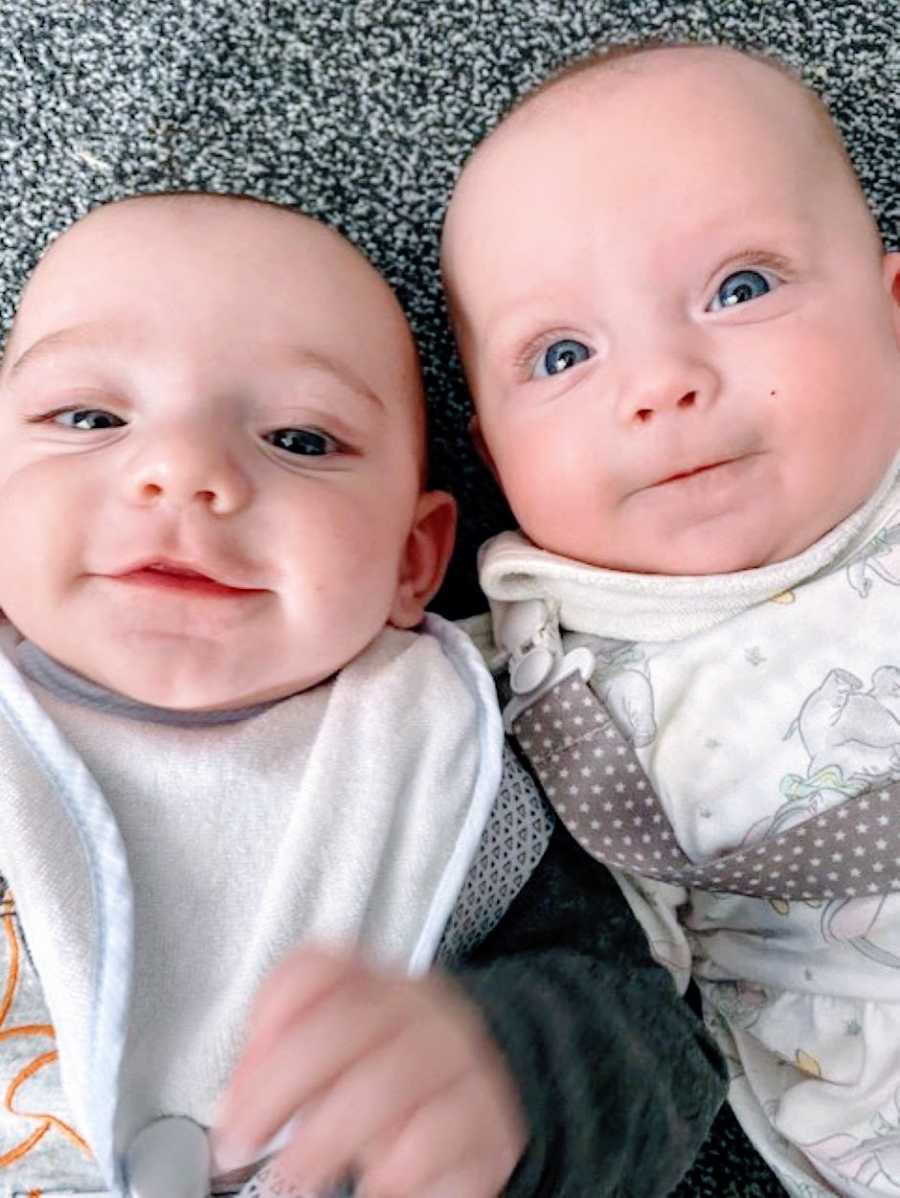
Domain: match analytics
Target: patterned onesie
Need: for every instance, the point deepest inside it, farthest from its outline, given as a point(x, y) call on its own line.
point(735, 754)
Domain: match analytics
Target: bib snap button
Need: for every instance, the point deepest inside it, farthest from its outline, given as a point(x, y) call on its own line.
point(169, 1158)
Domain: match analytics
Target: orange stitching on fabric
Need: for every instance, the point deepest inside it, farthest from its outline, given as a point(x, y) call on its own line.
point(28, 1029)
point(21, 1077)
point(25, 1147)
point(12, 978)
point(72, 1136)
point(47, 1120)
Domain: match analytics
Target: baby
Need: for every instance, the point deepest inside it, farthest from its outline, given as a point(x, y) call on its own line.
point(682, 336)
point(225, 732)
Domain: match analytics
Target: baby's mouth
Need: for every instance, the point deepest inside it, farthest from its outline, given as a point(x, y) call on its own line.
point(693, 471)
point(179, 577)
point(179, 571)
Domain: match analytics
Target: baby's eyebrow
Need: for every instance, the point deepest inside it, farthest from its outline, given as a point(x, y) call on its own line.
point(97, 336)
point(74, 337)
point(512, 329)
point(302, 358)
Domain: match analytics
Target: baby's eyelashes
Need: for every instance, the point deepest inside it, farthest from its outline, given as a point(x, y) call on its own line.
point(304, 442)
point(741, 287)
point(560, 356)
point(298, 442)
point(83, 419)
point(543, 358)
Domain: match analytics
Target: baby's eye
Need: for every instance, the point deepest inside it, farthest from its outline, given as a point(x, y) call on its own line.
point(739, 288)
point(304, 442)
point(560, 356)
point(87, 419)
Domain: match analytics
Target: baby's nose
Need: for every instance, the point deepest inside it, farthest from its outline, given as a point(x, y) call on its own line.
point(661, 402)
point(669, 386)
point(184, 471)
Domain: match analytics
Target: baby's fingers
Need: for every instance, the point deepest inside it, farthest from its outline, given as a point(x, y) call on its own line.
point(471, 1179)
point(466, 1130)
point(368, 1102)
point(302, 980)
point(303, 1066)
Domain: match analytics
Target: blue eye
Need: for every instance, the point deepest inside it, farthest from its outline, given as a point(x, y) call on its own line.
point(739, 288)
point(87, 419)
point(303, 442)
point(560, 356)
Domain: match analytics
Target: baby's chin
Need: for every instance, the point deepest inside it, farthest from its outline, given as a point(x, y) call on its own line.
point(192, 674)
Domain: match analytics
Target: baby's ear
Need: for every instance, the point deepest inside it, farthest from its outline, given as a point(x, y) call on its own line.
point(425, 558)
point(892, 283)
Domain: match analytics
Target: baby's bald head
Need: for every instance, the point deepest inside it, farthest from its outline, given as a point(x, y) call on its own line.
point(575, 95)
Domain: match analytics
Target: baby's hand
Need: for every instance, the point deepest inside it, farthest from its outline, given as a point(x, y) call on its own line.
point(396, 1080)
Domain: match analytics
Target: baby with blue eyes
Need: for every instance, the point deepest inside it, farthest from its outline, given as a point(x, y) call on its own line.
point(258, 817)
point(681, 333)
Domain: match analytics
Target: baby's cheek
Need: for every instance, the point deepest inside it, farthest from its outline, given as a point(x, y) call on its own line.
point(26, 540)
point(558, 479)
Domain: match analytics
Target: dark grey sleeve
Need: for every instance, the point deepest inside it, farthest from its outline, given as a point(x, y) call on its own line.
point(618, 1078)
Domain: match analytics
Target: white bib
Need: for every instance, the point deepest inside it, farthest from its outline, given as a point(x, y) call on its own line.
point(160, 872)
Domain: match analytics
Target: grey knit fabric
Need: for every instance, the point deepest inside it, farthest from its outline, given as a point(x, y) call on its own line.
point(513, 842)
point(362, 113)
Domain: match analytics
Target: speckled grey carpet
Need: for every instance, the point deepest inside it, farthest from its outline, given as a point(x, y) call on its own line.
point(361, 112)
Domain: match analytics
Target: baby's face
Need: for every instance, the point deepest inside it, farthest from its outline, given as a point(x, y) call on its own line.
point(678, 326)
point(210, 454)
